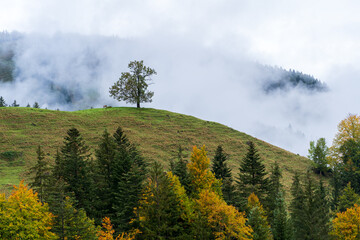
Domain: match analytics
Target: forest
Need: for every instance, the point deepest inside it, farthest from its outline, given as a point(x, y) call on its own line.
point(116, 193)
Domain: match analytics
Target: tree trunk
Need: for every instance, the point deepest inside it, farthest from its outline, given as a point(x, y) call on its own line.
point(138, 104)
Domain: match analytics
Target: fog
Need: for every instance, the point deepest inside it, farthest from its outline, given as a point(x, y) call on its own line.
point(207, 56)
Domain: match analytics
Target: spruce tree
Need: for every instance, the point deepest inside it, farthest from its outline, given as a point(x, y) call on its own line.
point(73, 167)
point(310, 209)
point(28, 105)
point(179, 168)
point(127, 181)
point(2, 102)
point(252, 175)
point(322, 212)
point(280, 225)
point(223, 172)
point(36, 105)
point(160, 208)
point(41, 174)
point(275, 187)
point(296, 208)
point(14, 104)
point(257, 219)
point(104, 168)
point(348, 198)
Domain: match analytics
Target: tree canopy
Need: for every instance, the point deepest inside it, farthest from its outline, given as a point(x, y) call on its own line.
point(132, 86)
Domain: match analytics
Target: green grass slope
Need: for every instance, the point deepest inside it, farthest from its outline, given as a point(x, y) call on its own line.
point(158, 134)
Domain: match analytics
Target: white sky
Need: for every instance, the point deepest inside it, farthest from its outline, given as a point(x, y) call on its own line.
point(320, 38)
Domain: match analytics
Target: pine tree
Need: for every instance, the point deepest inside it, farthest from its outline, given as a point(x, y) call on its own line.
point(257, 219)
point(104, 168)
point(41, 174)
point(280, 225)
point(348, 198)
point(36, 105)
point(275, 187)
point(296, 208)
point(179, 168)
point(2, 102)
point(14, 104)
point(160, 210)
point(74, 168)
point(322, 212)
point(74, 224)
point(127, 179)
point(251, 178)
point(223, 172)
point(28, 105)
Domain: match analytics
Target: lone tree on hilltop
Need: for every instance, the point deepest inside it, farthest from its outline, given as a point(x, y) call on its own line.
point(131, 86)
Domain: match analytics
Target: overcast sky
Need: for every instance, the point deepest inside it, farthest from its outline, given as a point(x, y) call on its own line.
point(204, 52)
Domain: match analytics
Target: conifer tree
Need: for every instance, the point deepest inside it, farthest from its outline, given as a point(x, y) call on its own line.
point(280, 225)
point(104, 168)
point(296, 208)
point(14, 104)
point(2, 102)
point(179, 168)
point(127, 179)
point(252, 175)
point(348, 198)
point(74, 224)
point(28, 105)
point(257, 219)
point(74, 168)
point(322, 212)
point(41, 174)
point(36, 105)
point(275, 188)
point(223, 172)
point(160, 210)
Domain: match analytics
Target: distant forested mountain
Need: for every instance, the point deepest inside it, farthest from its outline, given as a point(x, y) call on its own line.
point(68, 69)
point(7, 46)
point(279, 79)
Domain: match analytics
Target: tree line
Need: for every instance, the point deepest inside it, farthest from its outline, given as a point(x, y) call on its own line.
point(15, 104)
point(117, 194)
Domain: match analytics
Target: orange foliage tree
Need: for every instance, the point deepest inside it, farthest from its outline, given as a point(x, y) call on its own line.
point(107, 233)
point(200, 175)
point(224, 221)
point(23, 216)
point(346, 225)
point(348, 129)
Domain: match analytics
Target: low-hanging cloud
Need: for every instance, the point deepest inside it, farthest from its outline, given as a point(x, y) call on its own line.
point(207, 55)
point(72, 71)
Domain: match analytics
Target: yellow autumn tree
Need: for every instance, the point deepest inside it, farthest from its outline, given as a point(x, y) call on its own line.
point(348, 129)
point(257, 219)
point(346, 225)
point(107, 233)
point(211, 216)
point(224, 220)
point(200, 175)
point(23, 216)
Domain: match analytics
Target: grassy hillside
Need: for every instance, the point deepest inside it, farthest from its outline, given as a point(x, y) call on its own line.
point(158, 134)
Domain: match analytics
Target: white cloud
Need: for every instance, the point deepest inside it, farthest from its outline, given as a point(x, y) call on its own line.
point(204, 53)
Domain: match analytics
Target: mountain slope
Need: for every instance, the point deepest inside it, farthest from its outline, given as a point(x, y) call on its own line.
point(157, 132)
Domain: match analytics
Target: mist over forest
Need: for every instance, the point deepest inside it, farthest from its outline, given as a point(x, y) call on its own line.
point(74, 71)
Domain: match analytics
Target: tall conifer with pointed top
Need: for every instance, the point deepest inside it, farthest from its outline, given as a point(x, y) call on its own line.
point(252, 175)
point(41, 174)
point(223, 172)
point(72, 165)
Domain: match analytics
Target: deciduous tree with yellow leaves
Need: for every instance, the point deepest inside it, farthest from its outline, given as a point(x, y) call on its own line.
point(23, 216)
point(346, 225)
